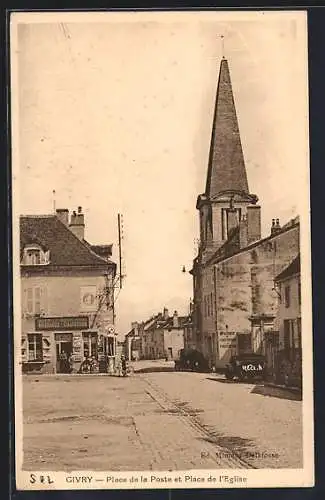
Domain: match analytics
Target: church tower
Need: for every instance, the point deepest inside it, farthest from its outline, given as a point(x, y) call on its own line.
point(226, 202)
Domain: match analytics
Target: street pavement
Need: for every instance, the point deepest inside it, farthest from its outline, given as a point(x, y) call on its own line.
point(158, 419)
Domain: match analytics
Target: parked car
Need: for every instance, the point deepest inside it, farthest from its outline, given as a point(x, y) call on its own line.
point(247, 366)
point(191, 360)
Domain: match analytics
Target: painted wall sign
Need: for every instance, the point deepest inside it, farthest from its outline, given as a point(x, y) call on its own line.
point(88, 298)
point(66, 323)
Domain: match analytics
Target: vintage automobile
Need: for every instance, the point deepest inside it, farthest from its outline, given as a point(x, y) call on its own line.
point(191, 360)
point(247, 366)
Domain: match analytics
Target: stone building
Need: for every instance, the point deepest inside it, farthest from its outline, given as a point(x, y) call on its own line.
point(234, 271)
point(161, 336)
point(67, 294)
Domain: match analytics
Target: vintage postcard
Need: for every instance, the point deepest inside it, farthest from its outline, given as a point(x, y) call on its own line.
point(161, 250)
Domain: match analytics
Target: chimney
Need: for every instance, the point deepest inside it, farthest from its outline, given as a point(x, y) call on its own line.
point(77, 224)
point(275, 228)
point(175, 319)
point(63, 215)
point(232, 219)
point(134, 326)
point(165, 313)
point(243, 232)
point(253, 223)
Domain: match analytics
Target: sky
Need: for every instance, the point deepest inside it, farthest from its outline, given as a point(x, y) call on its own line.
point(114, 112)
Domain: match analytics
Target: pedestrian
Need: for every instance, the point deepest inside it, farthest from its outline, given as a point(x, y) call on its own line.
point(123, 365)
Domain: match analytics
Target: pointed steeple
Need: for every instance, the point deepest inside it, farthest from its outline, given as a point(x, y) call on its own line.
point(226, 169)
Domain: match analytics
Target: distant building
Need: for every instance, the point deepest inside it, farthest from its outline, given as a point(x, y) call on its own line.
point(235, 303)
point(67, 294)
point(132, 344)
point(159, 337)
point(288, 352)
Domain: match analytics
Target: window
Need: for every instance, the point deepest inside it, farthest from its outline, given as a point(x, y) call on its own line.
point(90, 344)
point(287, 296)
point(34, 300)
point(35, 347)
point(35, 255)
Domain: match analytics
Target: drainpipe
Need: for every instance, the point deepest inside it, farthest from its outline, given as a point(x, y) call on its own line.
point(215, 337)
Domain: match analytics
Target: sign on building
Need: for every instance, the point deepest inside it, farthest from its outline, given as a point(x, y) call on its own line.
point(88, 298)
point(66, 323)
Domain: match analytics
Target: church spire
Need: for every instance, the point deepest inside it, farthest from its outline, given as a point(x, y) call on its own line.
point(226, 169)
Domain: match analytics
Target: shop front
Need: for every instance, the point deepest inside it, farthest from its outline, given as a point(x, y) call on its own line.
point(62, 344)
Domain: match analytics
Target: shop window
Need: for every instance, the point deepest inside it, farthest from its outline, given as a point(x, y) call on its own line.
point(90, 344)
point(35, 347)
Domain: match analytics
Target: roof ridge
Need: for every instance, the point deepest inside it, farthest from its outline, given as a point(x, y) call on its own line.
point(284, 229)
point(38, 216)
point(81, 241)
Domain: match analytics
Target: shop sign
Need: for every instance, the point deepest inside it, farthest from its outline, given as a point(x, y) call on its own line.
point(63, 337)
point(62, 323)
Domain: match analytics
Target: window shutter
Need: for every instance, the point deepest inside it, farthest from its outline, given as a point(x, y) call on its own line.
point(29, 300)
point(37, 299)
point(44, 305)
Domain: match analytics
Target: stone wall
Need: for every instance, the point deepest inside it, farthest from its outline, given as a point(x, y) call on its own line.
point(242, 285)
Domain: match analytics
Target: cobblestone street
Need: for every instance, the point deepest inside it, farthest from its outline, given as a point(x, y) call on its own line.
point(158, 419)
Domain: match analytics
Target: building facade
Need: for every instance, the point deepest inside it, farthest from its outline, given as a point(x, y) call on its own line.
point(288, 352)
point(235, 302)
point(67, 295)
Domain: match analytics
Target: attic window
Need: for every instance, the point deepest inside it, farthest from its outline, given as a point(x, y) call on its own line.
point(35, 256)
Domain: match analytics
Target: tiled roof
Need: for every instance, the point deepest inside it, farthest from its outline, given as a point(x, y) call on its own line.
point(292, 269)
point(231, 247)
point(226, 168)
point(65, 248)
point(160, 322)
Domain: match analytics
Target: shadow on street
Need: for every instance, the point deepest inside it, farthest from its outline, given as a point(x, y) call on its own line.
point(152, 369)
point(264, 390)
point(277, 392)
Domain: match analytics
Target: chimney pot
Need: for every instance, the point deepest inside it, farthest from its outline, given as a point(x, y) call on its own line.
point(165, 313)
point(79, 210)
point(77, 224)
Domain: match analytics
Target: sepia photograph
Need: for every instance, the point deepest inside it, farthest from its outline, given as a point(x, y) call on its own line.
point(162, 305)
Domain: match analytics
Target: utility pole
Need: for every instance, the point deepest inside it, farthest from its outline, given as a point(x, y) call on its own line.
point(119, 223)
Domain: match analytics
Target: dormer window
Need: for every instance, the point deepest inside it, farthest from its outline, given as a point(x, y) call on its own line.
point(34, 255)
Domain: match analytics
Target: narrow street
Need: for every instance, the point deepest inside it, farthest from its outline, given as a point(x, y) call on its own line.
point(158, 419)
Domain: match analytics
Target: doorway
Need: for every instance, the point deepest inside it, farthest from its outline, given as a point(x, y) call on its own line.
point(63, 343)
